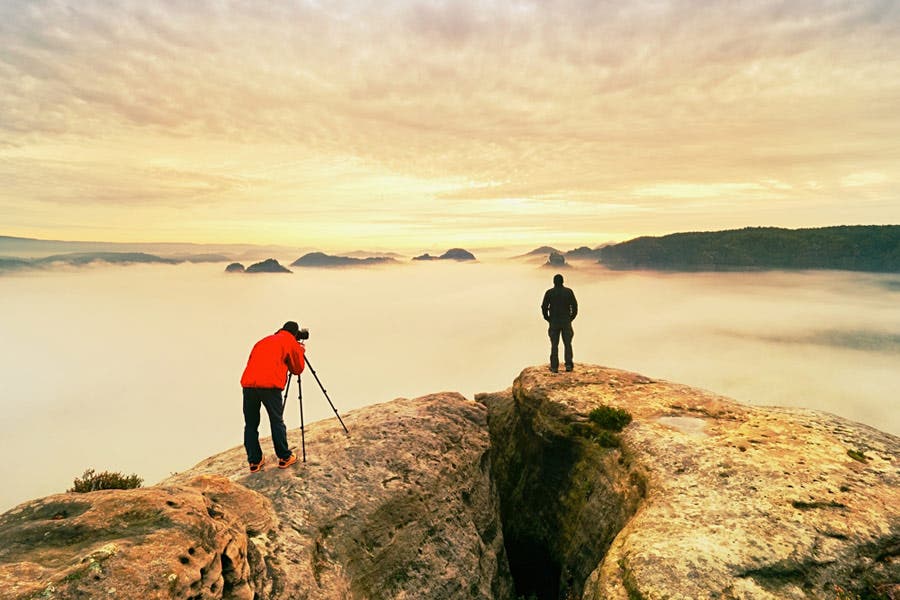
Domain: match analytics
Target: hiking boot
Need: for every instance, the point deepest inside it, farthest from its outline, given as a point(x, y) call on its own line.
point(254, 467)
point(569, 367)
point(284, 463)
point(554, 369)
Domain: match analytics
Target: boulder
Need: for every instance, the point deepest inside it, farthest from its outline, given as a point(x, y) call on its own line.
point(206, 539)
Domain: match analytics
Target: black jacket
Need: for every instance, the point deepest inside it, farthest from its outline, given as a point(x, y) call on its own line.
point(559, 306)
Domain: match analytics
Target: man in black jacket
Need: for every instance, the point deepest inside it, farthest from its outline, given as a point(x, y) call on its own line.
point(559, 309)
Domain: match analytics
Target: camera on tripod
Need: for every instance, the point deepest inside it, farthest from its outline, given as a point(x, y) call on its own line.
point(303, 334)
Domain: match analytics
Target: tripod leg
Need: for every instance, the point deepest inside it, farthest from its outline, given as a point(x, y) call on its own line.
point(322, 387)
point(302, 424)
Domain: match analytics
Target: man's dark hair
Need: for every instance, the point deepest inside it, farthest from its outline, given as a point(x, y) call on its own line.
point(291, 327)
point(557, 279)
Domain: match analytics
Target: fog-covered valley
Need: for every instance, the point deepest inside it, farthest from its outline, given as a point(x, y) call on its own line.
point(135, 368)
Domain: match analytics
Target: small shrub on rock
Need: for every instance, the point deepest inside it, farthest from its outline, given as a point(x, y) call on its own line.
point(857, 455)
point(610, 418)
point(607, 439)
point(91, 482)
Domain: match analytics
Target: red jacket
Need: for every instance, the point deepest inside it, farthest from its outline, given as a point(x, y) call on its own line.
point(270, 360)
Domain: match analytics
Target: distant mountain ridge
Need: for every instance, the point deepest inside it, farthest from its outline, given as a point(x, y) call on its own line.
point(458, 254)
point(85, 258)
point(320, 259)
point(31, 248)
point(582, 252)
point(541, 251)
point(874, 248)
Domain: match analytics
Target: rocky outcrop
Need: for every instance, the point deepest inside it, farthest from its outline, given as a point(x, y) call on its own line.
point(457, 254)
point(702, 498)
point(526, 493)
point(235, 267)
point(205, 539)
point(403, 507)
point(556, 261)
point(270, 265)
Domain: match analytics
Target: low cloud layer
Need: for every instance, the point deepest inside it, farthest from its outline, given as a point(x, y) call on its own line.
point(136, 368)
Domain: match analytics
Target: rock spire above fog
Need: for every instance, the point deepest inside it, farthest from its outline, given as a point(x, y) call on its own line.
point(458, 254)
point(270, 265)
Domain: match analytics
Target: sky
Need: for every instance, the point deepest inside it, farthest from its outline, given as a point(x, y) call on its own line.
point(405, 124)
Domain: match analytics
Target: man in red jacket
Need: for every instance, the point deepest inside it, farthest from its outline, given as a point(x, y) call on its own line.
point(263, 380)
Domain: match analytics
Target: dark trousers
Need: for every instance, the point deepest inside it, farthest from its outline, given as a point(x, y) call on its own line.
point(271, 399)
point(564, 329)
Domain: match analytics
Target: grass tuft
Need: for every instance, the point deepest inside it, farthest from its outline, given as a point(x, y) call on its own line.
point(610, 418)
point(857, 455)
point(91, 481)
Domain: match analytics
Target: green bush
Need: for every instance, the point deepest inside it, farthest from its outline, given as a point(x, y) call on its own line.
point(91, 482)
point(610, 418)
point(607, 439)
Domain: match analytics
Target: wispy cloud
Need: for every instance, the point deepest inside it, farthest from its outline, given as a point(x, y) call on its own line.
point(541, 100)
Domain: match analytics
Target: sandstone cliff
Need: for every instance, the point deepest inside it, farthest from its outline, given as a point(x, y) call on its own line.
point(403, 508)
point(705, 498)
point(517, 495)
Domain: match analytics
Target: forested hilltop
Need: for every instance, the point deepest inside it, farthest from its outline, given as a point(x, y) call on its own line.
point(851, 248)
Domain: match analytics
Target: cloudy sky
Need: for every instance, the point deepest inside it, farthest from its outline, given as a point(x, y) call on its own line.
point(400, 124)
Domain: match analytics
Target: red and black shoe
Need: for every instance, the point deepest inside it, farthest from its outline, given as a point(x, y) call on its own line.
point(284, 463)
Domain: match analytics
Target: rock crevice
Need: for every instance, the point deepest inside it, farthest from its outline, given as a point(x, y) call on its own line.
point(563, 496)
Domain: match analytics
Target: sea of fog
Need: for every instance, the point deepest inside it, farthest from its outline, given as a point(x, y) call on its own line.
point(136, 368)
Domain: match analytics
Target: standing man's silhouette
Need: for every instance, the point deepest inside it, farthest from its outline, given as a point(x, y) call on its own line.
point(560, 309)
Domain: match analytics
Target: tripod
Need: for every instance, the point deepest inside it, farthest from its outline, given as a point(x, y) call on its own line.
point(300, 398)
